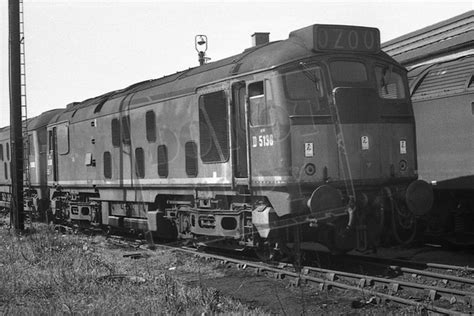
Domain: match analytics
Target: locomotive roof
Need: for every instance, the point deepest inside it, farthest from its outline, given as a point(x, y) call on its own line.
point(34, 123)
point(4, 131)
point(42, 119)
point(253, 59)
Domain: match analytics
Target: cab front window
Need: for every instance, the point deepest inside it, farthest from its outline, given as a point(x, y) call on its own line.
point(348, 71)
point(390, 84)
point(304, 91)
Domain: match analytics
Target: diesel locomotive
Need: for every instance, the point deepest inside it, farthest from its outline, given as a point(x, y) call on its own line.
point(311, 138)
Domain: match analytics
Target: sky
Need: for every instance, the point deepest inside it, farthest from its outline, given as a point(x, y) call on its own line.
point(80, 49)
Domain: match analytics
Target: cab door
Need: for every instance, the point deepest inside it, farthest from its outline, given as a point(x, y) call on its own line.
point(239, 126)
point(53, 154)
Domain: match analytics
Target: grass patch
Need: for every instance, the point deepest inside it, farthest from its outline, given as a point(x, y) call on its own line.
point(47, 273)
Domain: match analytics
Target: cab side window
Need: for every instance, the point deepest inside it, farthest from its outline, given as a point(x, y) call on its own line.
point(258, 104)
point(63, 139)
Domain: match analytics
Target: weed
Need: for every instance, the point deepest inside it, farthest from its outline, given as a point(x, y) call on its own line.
point(44, 272)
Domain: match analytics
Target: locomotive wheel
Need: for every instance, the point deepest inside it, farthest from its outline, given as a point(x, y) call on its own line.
point(267, 252)
point(344, 238)
point(375, 223)
point(403, 223)
point(109, 230)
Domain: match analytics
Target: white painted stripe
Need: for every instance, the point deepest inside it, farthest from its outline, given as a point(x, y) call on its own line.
point(174, 181)
point(275, 179)
point(139, 182)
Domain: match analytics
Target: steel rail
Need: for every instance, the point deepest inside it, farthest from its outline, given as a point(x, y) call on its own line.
point(398, 267)
point(449, 267)
point(400, 262)
point(433, 274)
point(407, 284)
point(426, 273)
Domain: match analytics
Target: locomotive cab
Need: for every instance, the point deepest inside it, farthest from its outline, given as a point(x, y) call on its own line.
point(340, 132)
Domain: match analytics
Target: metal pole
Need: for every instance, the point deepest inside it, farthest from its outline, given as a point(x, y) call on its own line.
point(16, 137)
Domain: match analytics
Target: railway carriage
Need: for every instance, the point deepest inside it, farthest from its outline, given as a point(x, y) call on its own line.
point(445, 126)
point(308, 138)
point(5, 180)
point(36, 191)
point(440, 63)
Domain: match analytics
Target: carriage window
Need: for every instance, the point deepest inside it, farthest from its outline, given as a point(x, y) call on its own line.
point(115, 133)
point(1, 152)
point(6, 170)
point(191, 163)
point(163, 161)
point(30, 148)
point(8, 151)
point(471, 82)
point(140, 163)
point(213, 132)
point(258, 104)
point(348, 71)
point(150, 126)
point(126, 129)
point(107, 165)
point(51, 139)
point(389, 83)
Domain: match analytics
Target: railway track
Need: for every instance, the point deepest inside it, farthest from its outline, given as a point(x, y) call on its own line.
point(426, 290)
point(435, 291)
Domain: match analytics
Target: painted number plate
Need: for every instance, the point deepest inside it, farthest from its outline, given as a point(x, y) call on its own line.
point(262, 140)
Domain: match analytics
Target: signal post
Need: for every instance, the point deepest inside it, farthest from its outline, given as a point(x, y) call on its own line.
point(16, 137)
